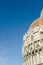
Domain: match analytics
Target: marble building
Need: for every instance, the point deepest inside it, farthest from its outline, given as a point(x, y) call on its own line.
point(32, 49)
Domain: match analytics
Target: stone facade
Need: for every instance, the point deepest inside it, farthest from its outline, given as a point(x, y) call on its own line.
point(32, 50)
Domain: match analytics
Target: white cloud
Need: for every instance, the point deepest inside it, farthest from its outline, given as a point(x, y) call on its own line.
point(3, 60)
point(3, 57)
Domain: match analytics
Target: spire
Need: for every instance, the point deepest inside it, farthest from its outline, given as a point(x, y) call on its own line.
point(41, 13)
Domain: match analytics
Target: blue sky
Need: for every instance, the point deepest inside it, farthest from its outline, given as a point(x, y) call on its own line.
point(15, 18)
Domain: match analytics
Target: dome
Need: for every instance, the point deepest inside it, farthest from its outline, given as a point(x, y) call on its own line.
point(38, 21)
point(32, 50)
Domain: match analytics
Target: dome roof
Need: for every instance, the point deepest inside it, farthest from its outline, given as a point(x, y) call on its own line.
point(38, 21)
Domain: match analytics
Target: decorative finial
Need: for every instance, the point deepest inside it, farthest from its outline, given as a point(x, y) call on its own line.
point(41, 13)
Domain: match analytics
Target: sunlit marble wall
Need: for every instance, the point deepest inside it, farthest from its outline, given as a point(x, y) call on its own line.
point(32, 51)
